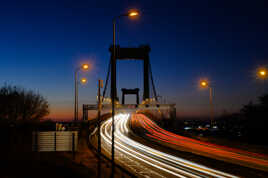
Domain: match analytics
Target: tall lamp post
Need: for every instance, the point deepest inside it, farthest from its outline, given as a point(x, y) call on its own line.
point(84, 67)
point(205, 84)
point(100, 85)
point(131, 13)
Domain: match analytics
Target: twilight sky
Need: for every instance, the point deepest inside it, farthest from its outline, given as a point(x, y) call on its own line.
point(42, 42)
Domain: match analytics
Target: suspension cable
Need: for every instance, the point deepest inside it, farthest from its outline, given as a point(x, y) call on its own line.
point(106, 82)
point(151, 76)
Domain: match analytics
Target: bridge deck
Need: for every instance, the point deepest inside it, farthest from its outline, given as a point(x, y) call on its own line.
point(129, 106)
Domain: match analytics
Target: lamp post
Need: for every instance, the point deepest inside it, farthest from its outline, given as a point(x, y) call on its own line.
point(205, 84)
point(131, 13)
point(100, 85)
point(84, 80)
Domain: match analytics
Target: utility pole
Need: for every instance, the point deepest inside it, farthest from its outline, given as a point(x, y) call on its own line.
point(211, 106)
point(100, 85)
point(113, 92)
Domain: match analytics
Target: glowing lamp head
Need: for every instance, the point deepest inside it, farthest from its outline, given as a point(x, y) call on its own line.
point(133, 13)
point(204, 84)
point(85, 66)
point(83, 80)
point(262, 73)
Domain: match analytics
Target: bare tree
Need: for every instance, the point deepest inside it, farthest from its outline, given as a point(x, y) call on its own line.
point(20, 104)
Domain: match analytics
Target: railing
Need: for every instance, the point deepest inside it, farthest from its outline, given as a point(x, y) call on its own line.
point(55, 141)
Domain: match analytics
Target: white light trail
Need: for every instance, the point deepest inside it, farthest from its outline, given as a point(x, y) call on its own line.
point(151, 157)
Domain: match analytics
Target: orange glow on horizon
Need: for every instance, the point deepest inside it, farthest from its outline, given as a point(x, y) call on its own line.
point(66, 113)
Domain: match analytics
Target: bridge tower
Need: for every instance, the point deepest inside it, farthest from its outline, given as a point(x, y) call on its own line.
point(134, 53)
point(139, 53)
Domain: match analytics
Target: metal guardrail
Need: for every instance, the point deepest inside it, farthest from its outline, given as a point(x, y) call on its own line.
point(55, 141)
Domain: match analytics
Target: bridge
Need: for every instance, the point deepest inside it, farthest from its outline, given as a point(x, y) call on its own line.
point(149, 100)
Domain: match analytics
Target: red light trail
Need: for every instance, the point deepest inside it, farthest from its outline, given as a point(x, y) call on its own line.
point(153, 132)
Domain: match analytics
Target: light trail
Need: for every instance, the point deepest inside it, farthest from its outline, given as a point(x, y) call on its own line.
point(154, 132)
point(141, 157)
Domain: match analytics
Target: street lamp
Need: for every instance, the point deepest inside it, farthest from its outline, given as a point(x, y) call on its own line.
point(84, 67)
point(205, 84)
point(100, 85)
point(83, 81)
point(132, 13)
point(262, 73)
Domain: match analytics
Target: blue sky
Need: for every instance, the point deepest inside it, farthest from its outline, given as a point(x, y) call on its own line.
point(42, 42)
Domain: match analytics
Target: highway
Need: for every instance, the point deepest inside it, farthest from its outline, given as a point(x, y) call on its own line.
point(154, 133)
point(145, 161)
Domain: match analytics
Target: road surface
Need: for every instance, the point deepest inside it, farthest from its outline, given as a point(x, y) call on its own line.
point(145, 161)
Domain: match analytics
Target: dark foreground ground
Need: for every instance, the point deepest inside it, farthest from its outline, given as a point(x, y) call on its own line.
point(17, 159)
